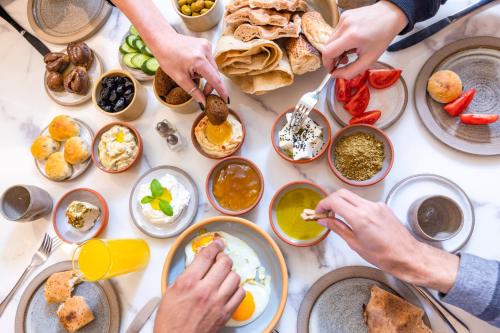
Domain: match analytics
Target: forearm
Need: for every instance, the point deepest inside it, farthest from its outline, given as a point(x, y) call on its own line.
point(417, 10)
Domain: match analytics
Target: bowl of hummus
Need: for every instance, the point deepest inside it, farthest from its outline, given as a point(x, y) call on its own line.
point(218, 141)
point(116, 147)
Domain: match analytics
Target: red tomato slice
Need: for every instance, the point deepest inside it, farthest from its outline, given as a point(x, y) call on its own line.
point(359, 102)
point(478, 119)
point(342, 90)
point(383, 78)
point(460, 104)
point(369, 117)
point(357, 81)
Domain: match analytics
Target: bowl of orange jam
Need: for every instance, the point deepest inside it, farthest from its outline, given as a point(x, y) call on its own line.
point(234, 186)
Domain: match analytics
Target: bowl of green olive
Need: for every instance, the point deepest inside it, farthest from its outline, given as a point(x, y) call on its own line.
point(199, 15)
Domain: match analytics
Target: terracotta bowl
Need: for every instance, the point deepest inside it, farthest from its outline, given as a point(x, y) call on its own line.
point(136, 107)
point(380, 135)
point(197, 145)
point(97, 139)
point(315, 115)
point(273, 221)
point(209, 185)
point(187, 107)
point(59, 221)
point(263, 245)
point(203, 22)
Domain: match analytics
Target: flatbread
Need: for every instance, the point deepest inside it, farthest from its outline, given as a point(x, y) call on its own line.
point(303, 56)
point(257, 16)
point(288, 5)
point(279, 77)
point(388, 313)
point(246, 32)
point(235, 57)
point(317, 31)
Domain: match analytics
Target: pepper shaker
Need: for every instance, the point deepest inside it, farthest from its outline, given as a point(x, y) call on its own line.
point(168, 131)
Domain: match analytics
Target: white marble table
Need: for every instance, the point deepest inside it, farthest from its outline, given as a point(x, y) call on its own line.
point(25, 109)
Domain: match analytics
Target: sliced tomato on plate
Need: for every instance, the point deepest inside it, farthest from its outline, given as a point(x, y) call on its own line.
point(342, 90)
point(460, 104)
point(369, 117)
point(358, 81)
point(359, 102)
point(478, 119)
point(383, 78)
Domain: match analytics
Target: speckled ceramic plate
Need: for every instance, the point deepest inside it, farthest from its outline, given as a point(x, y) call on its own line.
point(34, 314)
point(391, 101)
point(137, 73)
point(69, 99)
point(185, 218)
point(86, 134)
point(477, 61)
point(410, 189)
point(335, 302)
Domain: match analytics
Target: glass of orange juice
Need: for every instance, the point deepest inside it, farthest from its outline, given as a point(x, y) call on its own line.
point(99, 259)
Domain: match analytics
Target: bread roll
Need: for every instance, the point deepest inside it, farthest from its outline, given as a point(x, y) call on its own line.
point(444, 86)
point(317, 31)
point(59, 286)
point(57, 168)
point(74, 314)
point(62, 127)
point(76, 150)
point(43, 147)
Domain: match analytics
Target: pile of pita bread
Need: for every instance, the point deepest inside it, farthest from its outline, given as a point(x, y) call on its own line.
point(266, 42)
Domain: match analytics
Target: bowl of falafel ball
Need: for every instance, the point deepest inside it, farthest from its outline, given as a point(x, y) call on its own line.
point(168, 93)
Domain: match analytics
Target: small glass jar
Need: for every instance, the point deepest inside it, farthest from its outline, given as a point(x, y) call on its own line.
point(168, 131)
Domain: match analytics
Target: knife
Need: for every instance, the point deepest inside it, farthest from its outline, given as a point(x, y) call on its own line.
point(433, 28)
point(37, 44)
point(143, 315)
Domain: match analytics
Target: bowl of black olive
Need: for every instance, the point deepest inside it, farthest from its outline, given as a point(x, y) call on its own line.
point(119, 94)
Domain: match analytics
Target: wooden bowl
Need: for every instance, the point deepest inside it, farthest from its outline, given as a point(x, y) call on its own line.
point(209, 185)
point(97, 139)
point(260, 241)
point(136, 107)
point(189, 106)
point(198, 146)
point(315, 115)
point(203, 22)
point(381, 136)
point(273, 221)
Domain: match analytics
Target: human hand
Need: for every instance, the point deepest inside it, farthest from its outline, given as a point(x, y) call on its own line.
point(203, 297)
point(368, 30)
point(377, 235)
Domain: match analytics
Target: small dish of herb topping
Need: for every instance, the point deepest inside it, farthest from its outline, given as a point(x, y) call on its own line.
point(361, 155)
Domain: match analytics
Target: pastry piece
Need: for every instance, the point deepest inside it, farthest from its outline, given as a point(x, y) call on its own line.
point(246, 31)
point(76, 150)
point(74, 314)
point(80, 54)
point(57, 168)
point(258, 16)
point(235, 57)
point(311, 215)
point(59, 286)
point(177, 96)
point(444, 86)
point(302, 55)
point(288, 5)
point(388, 313)
point(280, 76)
point(43, 147)
point(216, 109)
point(55, 81)
point(56, 61)
point(317, 31)
point(77, 81)
point(82, 215)
point(63, 127)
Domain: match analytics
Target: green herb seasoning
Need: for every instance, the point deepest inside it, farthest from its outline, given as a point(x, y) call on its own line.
point(359, 156)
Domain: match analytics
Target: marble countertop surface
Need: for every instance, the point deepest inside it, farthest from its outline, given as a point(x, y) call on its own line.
point(25, 109)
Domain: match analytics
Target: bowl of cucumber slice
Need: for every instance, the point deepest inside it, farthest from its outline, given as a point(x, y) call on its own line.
point(136, 57)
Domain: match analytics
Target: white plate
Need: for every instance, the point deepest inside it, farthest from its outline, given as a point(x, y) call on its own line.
point(87, 135)
point(185, 218)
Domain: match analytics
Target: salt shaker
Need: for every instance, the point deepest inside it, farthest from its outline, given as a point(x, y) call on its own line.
point(168, 131)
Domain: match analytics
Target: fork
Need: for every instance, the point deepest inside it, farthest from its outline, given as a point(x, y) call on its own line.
point(46, 248)
point(310, 99)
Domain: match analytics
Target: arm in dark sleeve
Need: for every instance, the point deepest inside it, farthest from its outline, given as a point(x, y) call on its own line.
point(477, 288)
point(417, 10)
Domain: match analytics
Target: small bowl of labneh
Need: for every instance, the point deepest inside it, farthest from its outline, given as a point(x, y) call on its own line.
point(234, 186)
point(170, 94)
point(361, 155)
point(307, 144)
point(119, 94)
point(116, 147)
